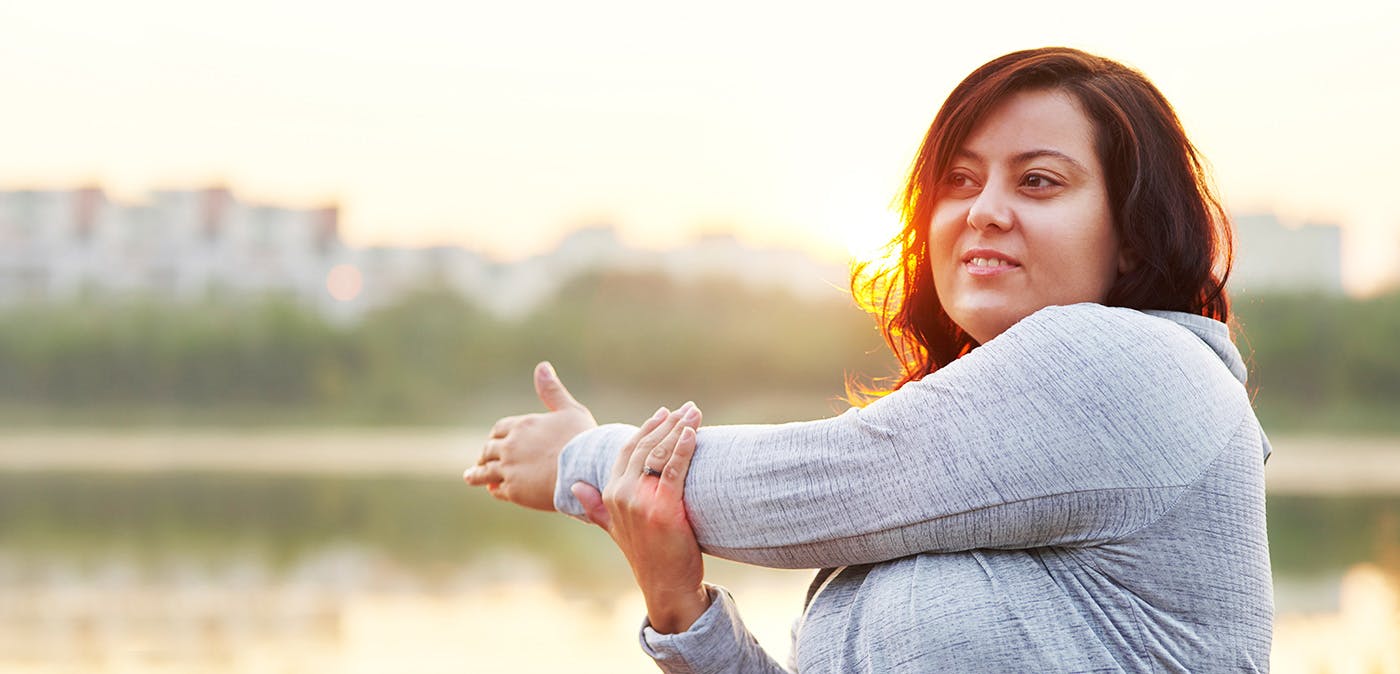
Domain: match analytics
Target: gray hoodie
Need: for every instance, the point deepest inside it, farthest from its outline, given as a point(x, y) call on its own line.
point(1083, 493)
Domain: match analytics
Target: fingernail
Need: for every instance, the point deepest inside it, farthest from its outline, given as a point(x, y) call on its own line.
point(548, 370)
point(687, 434)
point(686, 408)
point(691, 414)
point(660, 412)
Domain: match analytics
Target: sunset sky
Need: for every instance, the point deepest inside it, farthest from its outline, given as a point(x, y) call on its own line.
point(498, 126)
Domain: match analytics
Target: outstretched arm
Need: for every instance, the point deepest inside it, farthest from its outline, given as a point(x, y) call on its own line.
point(1077, 426)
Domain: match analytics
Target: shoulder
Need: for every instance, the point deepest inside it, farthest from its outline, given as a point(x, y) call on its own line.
point(1087, 322)
point(1088, 383)
point(1090, 351)
point(1106, 336)
point(1149, 385)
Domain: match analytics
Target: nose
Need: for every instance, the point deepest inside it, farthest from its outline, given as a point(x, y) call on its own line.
point(992, 208)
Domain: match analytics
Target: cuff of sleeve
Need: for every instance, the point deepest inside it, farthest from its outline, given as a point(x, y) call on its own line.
point(708, 645)
point(588, 458)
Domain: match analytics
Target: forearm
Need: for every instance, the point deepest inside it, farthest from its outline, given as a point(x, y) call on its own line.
point(858, 488)
point(717, 643)
point(768, 495)
point(674, 610)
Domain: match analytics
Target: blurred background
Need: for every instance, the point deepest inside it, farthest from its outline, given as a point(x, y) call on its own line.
point(268, 272)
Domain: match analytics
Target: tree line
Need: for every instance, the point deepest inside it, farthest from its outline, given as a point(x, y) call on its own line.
point(624, 342)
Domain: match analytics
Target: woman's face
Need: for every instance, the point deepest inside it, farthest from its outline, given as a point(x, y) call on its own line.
point(1023, 220)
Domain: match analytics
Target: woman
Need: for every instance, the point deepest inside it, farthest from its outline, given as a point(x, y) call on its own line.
point(1068, 476)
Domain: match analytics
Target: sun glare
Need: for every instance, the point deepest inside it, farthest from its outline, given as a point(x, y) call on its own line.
point(865, 237)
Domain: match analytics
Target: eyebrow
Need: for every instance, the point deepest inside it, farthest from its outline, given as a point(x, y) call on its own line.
point(1027, 156)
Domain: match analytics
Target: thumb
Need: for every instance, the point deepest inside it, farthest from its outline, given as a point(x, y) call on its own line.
point(550, 390)
point(592, 503)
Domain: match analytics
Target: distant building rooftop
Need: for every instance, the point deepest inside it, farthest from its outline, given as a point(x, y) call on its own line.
point(1271, 256)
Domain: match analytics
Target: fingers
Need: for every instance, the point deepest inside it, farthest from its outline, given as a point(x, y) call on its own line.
point(650, 441)
point(503, 425)
point(672, 480)
point(484, 475)
point(592, 502)
point(491, 452)
point(550, 390)
point(657, 457)
point(625, 454)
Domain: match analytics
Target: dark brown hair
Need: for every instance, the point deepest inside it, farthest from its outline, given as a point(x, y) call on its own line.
point(1160, 194)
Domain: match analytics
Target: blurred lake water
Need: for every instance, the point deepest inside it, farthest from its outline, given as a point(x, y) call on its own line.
point(362, 552)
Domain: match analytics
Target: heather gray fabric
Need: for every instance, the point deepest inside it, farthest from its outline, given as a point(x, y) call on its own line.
point(1083, 493)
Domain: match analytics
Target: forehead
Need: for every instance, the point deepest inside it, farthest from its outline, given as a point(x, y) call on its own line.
point(1030, 121)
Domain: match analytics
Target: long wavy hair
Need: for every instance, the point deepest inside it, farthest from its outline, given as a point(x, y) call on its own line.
point(1163, 202)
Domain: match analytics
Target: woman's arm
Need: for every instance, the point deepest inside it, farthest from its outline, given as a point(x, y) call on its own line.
point(1077, 426)
point(642, 511)
point(691, 628)
point(718, 642)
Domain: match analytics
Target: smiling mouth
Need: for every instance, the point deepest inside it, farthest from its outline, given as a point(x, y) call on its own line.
point(988, 266)
point(990, 263)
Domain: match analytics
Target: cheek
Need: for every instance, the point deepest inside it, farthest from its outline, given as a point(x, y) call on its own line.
point(1098, 257)
point(1090, 236)
point(1079, 248)
point(944, 227)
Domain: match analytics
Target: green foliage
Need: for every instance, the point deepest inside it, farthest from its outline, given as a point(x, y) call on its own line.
point(1323, 362)
point(624, 342)
point(1317, 534)
point(143, 352)
point(654, 336)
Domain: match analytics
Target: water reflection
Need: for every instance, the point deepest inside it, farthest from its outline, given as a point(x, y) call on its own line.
point(345, 611)
point(1362, 636)
point(341, 611)
point(217, 571)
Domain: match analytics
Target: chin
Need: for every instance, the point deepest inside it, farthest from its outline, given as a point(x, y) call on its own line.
point(984, 323)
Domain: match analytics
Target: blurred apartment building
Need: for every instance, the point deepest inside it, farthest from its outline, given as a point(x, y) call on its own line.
point(179, 245)
point(189, 246)
point(513, 289)
point(1270, 256)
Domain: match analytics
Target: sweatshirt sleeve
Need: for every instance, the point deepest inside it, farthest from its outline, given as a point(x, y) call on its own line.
point(1077, 426)
point(718, 643)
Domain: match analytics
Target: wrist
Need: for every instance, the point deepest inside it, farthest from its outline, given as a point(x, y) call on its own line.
point(676, 612)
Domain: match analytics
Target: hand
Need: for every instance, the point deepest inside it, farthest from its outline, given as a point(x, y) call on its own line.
point(643, 510)
point(521, 458)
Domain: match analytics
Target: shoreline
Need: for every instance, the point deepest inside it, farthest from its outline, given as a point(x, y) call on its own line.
point(1301, 464)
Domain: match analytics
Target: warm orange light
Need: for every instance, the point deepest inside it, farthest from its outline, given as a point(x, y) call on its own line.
point(866, 237)
point(344, 282)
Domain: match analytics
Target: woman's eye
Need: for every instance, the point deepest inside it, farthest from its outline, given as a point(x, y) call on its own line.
point(1038, 181)
point(959, 180)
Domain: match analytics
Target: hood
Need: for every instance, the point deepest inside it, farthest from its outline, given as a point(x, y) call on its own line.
point(1216, 335)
